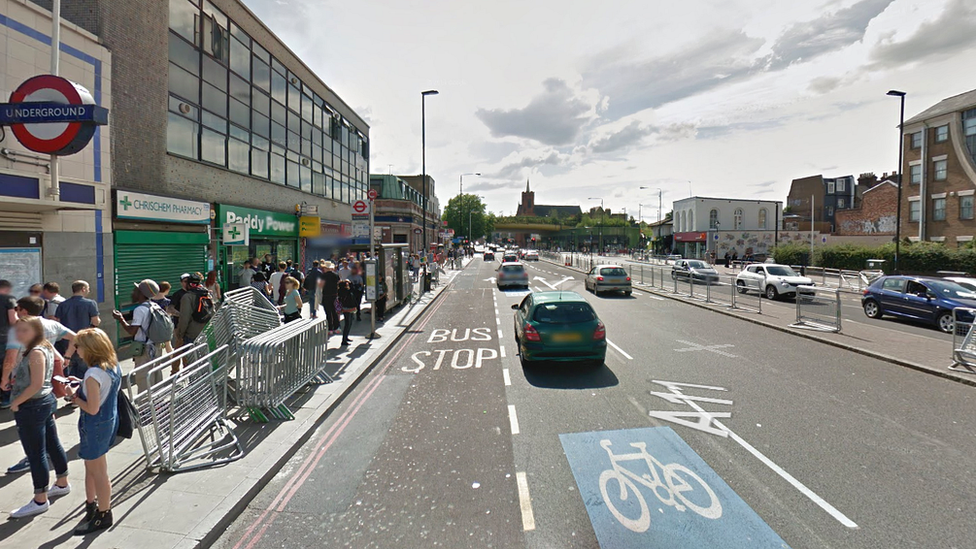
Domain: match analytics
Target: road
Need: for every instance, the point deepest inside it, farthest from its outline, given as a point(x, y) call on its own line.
point(450, 442)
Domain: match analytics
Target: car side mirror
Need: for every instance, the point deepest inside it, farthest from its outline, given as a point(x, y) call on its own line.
point(515, 307)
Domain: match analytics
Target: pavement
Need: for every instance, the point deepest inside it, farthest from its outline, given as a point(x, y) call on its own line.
point(700, 430)
point(189, 509)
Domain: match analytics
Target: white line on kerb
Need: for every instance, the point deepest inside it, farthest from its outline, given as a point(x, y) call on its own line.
point(501, 349)
point(498, 321)
point(513, 419)
point(619, 350)
point(525, 502)
point(499, 333)
point(506, 377)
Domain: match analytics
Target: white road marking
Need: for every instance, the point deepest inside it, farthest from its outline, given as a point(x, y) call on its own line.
point(525, 502)
point(513, 419)
point(538, 289)
point(506, 376)
point(619, 350)
point(502, 349)
point(710, 348)
point(498, 321)
point(499, 333)
point(655, 297)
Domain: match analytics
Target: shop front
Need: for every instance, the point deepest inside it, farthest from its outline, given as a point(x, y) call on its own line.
point(157, 237)
point(690, 245)
point(268, 233)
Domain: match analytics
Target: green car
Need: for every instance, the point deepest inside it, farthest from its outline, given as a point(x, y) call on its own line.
point(559, 326)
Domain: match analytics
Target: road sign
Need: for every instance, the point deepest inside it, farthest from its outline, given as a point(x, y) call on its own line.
point(52, 115)
point(681, 503)
point(360, 229)
point(360, 207)
point(372, 194)
point(418, 230)
point(236, 234)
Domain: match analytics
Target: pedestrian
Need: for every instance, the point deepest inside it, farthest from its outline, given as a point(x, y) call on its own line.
point(244, 277)
point(347, 299)
point(97, 398)
point(358, 287)
point(277, 286)
point(728, 258)
point(735, 256)
point(8, 317)
point(212, 284)
point(380, 303)
point(292, 300)
point(33, 404)
point(162, 298)
point(176, 300)
point(146, 317)
point(268, 266)
point(197, 308)
point(76, 314)
point(50, 293)
point(344, 270)
point(36, 289)
point(330, 294)
point(260, 283)
point(311, 286)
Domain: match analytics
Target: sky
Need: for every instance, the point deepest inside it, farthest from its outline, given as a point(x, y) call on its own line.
point(718, 98)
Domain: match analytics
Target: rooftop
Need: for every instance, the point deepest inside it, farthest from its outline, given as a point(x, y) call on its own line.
point(963, 101)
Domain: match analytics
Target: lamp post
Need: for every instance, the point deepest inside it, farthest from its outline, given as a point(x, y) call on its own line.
point(659, 193)
point(901, 175)
point(602, 214)
point(423, 162)
point(461, 195)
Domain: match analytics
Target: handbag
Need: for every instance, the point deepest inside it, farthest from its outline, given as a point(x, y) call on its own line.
point(128, 417)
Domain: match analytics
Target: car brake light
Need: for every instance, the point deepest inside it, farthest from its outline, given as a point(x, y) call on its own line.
point(601, 331)
point(628, 279)
point(600, 278)
point(865, 292)
point(531, 334)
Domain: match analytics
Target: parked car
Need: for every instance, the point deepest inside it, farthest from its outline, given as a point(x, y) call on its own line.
point(512, 274)
point(531, 255)
point(771, 280)
point(608, 278)
point(921, 298)
point(672, 258)
point(559, 326)
point(695, 269)
point(510, 257)
point(964, 281)
point(489, 256)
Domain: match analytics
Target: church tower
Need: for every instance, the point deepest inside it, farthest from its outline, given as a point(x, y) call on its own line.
point(527, 207)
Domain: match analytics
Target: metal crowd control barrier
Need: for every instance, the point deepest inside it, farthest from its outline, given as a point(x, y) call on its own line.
point(963, 341)
point(181, 423)
point(742, 297)
point(275, 364)
point(818, 308)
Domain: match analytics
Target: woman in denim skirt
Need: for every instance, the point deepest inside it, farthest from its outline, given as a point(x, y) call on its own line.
point(97, 398)
point(33, 405)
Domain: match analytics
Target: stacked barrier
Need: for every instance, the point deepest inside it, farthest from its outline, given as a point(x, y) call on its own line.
point(818, 308)
point(181, 423)
point(275, 364)
point(963, 341)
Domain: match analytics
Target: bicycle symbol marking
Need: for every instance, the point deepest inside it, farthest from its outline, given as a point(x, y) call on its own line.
point(669, 487)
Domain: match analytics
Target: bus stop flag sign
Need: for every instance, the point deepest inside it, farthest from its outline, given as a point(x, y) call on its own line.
point(51, 115)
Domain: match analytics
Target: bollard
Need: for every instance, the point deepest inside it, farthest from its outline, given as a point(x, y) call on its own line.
point(708, 290)
point(674, 278)
point(642, 274)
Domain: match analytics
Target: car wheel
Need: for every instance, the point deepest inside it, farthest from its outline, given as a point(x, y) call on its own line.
point(674, 275)
point(945, 323)
point(872, 309)
point(740, 286)
point(771, 292)
point(628, 293)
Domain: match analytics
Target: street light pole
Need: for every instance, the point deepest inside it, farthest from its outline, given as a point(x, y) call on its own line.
point(901, 176)
point(461, 200)
point(602, 219)
point(423, 161)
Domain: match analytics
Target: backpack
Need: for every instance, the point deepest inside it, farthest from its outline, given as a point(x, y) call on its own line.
point(160, 328)
point(349, 300)
point(204, 309)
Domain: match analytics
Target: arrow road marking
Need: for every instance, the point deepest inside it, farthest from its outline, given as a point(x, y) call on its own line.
point(540, 279)
point(710, 348)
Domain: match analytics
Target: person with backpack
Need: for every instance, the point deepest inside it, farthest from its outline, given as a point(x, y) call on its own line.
point(348, 301)
point(196, 309)
point(150, 326)
point(277, 280)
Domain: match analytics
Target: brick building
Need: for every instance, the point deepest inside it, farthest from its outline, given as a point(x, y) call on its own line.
point(398, 210)
point(528, 208)
point(825, 195)
point(940, 172)
point(874, 215)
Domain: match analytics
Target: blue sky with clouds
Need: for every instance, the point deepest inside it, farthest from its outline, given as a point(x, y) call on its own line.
point(729, 98)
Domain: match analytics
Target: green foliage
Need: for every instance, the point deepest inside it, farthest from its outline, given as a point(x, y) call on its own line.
point(595, 221)
point(916, 257)
point(508, 219)
point(792, 254)
point(465, 208)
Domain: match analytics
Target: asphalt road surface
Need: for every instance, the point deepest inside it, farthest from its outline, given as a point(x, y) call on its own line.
point(700, 430)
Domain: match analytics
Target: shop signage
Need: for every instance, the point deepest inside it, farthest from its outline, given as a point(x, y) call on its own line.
point(237, 234)
point(51, 115)
point(690, 237)
point(261, 223)
point(149, 207)
point(309, 226)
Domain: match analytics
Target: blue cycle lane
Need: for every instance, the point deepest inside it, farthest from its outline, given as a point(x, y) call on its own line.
point(647, 488)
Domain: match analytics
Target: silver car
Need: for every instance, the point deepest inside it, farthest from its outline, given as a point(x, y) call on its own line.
point(695, 269)
point(511, 274)
point(608, 278)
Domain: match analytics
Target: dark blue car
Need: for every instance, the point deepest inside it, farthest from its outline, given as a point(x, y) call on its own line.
point(917, 298)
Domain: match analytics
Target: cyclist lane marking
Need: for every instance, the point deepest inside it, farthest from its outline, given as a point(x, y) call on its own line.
point(525, 501)
point(647, 488)
point(513, 419)
point(619, 350)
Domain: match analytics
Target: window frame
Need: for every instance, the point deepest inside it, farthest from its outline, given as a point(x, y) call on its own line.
point(939, 209)
point(941, 133)
point(940, 174)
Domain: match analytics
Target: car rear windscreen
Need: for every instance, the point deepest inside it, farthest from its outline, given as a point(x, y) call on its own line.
point(614, 271)
point(572, 312)
point(512, 269)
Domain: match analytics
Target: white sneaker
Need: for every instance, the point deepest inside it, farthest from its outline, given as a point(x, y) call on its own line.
point(31, 509)
point(56, 491)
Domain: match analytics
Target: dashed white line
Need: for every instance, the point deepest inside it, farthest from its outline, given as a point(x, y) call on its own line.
point(500, 333)
point(501, 348)
point(513, 419)
point(619, 350)
point(498, 321)
point(525, 502)
point(655, 297)
point(506, 376)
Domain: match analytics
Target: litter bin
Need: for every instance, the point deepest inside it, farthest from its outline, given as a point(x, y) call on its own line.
point(427, 279)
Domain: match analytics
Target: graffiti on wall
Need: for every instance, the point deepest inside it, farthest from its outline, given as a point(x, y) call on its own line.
point(759, 243)
point(883, 225)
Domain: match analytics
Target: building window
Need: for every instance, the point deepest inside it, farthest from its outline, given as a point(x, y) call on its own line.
point(762, 218)
point(830, 187)
point(840, 185)
point(830, 211)
point(914, 211)
point(942, 134)
point(966, 207)
point(691, 220)
point(939, 209)
point(941, 168)
point(915, 174)
point(737, 221)
point(713, 219)
point(917, 140)
point(841, 203)
point(969, 131)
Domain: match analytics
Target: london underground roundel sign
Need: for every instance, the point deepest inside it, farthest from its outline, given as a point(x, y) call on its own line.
point(51, 115)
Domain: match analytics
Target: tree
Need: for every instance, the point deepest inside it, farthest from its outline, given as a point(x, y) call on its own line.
point(468, 208)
